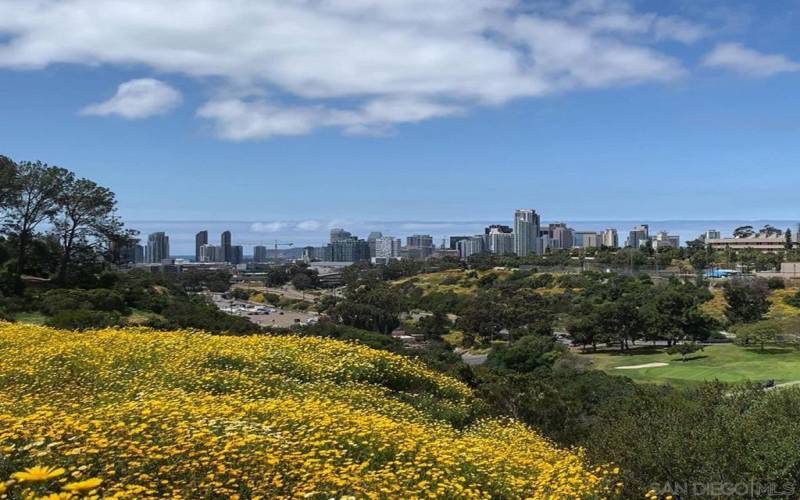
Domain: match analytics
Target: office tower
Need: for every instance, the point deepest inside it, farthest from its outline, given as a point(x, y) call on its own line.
point(499, 228)
point(157, 248)
point(526, 232)
point(348, 250)
point(420, 246)
point(132, 253)
point(471, 246)
point(225, 243)
point(339, 234)
point(259, 253)
point(610, 238)
point(371, 240)
point(664, 240)
point(560, 236)
point(454, 241)
point(500, 242)
point(638, 236)
point(237, 254)
point(200, 239)
point(387, 247)
point(586, 239)
point(712, 234)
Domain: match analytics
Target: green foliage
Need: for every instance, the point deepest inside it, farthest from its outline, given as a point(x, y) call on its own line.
point(793, 300)
point(776, 283)
point(684, 349)
point(348, 333)
point(759, 333)
point(59, 300)
point(526, 355)
point(82, 319)
point(747, 300)
point(372, 305)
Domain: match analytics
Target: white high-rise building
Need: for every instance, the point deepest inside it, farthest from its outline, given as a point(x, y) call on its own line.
point(526, 232)
point(387, 247)
point(500, 243)
point(610, 238)
point(471, 246)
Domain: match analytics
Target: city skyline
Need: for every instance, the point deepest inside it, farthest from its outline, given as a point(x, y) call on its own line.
point(673, 112)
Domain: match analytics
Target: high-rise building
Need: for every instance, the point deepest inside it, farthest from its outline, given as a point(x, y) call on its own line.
point(371, 240)
point(712, 234)
point(454, 241)
point(526, 232)
point(132, 253)
point(638, 236)
point(339, 234)
point(259, 253)
point(664, 240)
point(498, 228)
point(560, 236)
point(387, 247)
point(348, 250)
point(471, 246)
point(499, 242)
point(237, 254)
point(610, 238)
point(210, 253)
point(157, 248)
point(420, 246)
point(586, 239)
point(227, 249)
point(200, 239)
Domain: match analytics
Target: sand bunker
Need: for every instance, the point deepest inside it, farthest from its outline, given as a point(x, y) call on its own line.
point(646, 365)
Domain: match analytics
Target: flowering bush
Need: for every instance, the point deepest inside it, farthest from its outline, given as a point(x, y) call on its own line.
point(138, 413)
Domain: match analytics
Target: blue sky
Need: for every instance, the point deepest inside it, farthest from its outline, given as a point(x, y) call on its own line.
point(401, 110)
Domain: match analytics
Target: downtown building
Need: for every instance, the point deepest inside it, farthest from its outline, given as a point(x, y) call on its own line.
point(259, 253)
point(419, 246)
point(527, 227)
point(610, 238)
point(157, 249)
point(387, 248)
point(200, 239)
point(499, 241)
point(471, 246)
point(638, 237)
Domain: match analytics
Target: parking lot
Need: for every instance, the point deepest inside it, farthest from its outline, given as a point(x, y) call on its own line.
point(262, 314)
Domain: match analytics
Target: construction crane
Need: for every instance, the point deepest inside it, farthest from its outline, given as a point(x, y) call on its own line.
point(279, 244)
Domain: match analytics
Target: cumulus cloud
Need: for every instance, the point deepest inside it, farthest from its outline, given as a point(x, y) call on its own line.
point(735, 57)
point(288, 68)
point(136, 99)
point(308, 225)
point(268, 227)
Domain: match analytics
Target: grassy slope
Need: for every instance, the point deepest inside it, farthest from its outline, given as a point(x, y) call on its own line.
point(727, 363)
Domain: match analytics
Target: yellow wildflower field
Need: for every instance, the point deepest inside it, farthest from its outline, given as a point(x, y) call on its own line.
point(143, 414)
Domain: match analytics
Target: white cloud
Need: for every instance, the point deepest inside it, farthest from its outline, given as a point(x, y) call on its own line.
point(268, 227)
point(137, 99)
point(308, 225)
point(287, 68)
point(748, 62)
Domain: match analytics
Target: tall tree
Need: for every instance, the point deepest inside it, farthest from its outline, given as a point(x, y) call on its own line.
point(33, 200)
point(85, 211)
point(8, 174)
point(789, 242)
point(743, 232)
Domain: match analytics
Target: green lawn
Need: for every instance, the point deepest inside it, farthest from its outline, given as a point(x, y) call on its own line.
point(34, 318)
point(725, 362)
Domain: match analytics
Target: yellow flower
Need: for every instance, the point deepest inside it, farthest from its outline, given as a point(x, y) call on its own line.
point(86, 485)
point(34, 474)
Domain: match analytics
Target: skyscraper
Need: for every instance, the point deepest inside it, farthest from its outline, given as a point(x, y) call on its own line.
point(610, 238)
point(260, 253)
point(339, 234)
point(225, 243)
point(638, 236)
point(157, 248)
point(499, 241)
point(420, 246)
point(526, 232)
point(560, 236)
point(200, 239)
point(237, 254)
point(387, 247)
point(372, 239)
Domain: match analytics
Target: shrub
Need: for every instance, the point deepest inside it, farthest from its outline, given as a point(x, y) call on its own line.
point(82, 319)
point(776, 283)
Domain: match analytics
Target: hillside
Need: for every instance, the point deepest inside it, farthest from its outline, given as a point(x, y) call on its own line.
point(141, 413)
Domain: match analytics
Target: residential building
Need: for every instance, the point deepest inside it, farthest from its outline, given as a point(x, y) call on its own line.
point(237, 255)
point(499, 242)
point(610, 238)
point(639, 236)
point(348, 250)
point(210, 253)
point(560, 236)
point(526, 232)
point(454, 241)
point(371, 239)
point(259, 253)
point(419, 246)
point(586, 239)
point(387, 247)
point(339, 234)
point(157, 248)
point(225, 243)
point(471, 246)
point(200, 239)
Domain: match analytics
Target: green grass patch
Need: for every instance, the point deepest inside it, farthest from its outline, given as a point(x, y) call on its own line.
point(33, 318)
point(726, 362)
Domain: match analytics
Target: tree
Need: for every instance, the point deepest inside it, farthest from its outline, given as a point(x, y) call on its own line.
point(789, 242)
point(33, 200)
point(743, 232)
point(684, 349)
point(758, 333)
point(85, 211)
point(8, 174)
point(747, 300)
point(372, 306)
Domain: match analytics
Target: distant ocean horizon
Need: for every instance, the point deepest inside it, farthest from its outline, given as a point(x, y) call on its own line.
point(316, 232)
